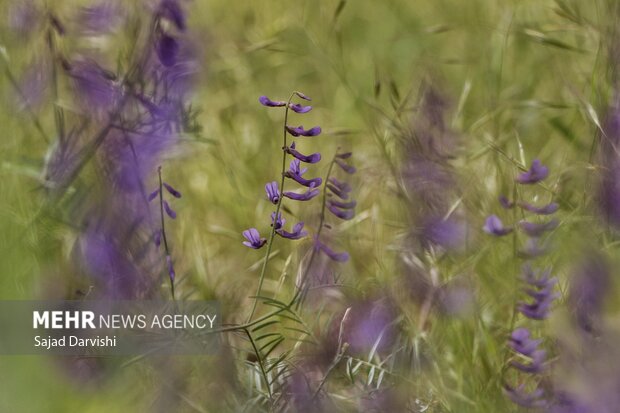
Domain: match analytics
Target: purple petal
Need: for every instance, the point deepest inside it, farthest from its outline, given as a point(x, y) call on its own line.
point(296, 234)
point(336, 256)
point(306, 196)
point(345, 214)
point(535, 174)
point(304, 97)
point(171, 272)
point(296, 107)
point(300, 131)
point(312, 158)
point(253, 238)
point(505, 202)
point(172, 191)
point(153, 195)
point(265, 101)
point(493, 226)
point(537, 229)
point(169, 210)
point(167, 50)
point(346, 167)
point(544, 210)
point(157, 238)
point(273, 192)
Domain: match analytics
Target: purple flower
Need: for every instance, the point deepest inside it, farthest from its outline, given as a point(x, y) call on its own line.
point(521, 342)
point(312, 158)
point(529, 400)
point(296, 234)
point(345, 167)
point(541, 292)
point(493, 225)
point(543, 210)
point(295, 172)
point(536, 364)
point(253, 239)
point(172, 191)
point(345, 214)
point(336, 256)
point(280, 222)
point(273, 193)
point(535, 174)
point(300, 131)
point(171, 213)
point(343, 205)
point(538, 229)
point(306, 196)
point(153, 195)
point(339, 188)
point(265, 101)
point(505, 202)
point(167, 50)
point(296, 107)
point(448, 233)
point(171, 272)
point(304, 97)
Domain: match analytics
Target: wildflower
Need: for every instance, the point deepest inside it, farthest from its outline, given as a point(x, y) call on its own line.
point(345, 214)
point(494, 226)
point(541, 292)
point(312, 158)
point(171, 272)
point(338, 188)
point(543, 210)
point(295, 172)
point(505, 202)
point(265, 101)
point(253, 238)
point(537, 229)
point(306, 196)
point(336, 256)
point(535, 174)
point(279, 223)
point(300, 131)
point(273, 193)
point(296, 107)
point(297, 233)
point(345, 167)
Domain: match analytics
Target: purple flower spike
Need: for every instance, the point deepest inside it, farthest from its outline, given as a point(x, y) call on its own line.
point(535, 174)
point(544, 210)
point(345, 214)
point(153, 195)
point(297, 233)
point(300, 131)
point(493, 226)
point(346, 167)
point(167, 50)
point(505, 202)
point(304, 97)
point(172, 191)
point(296, 107)
point(312, 158)
point(171, 213)
point(336, 256)
point(265, 101)
point(339, 188)
point(295, 172)
point(273, 193)
point(171, 272)
point(541, 291)
point(253, 239)
point(536, 230)
point(306, 196)
point(280, 222)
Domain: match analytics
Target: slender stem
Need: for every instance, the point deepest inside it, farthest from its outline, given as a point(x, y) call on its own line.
point(260, 363)
point(163, 226)
point(59, 116)
point(261, 278)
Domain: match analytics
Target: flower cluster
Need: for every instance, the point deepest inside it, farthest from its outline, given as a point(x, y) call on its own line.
point(296, 173)
point(539, 285)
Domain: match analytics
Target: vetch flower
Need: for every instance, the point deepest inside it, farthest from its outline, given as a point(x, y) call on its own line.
point(542, 297)
point(172, 191)
point(265, 101)
point(253, 238)
point(345, 167)
point(521, 342)
point(494, 226)
point(273, 193)
point(297, 233)
point(336, 256)
point(171, 213)
point(295, 172)
point(171, 272)
point(536, 230)
point(535, 174)
point(300, 131)
point(543, 210)
point(279, 223)
point(505, 202)
point(345, 214)
point(296, 107)
point(312, 158)
point(339, 188)
point(306, 196)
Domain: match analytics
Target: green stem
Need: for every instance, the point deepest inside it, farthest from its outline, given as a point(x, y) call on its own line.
point(261, 278)
point(163, 226)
